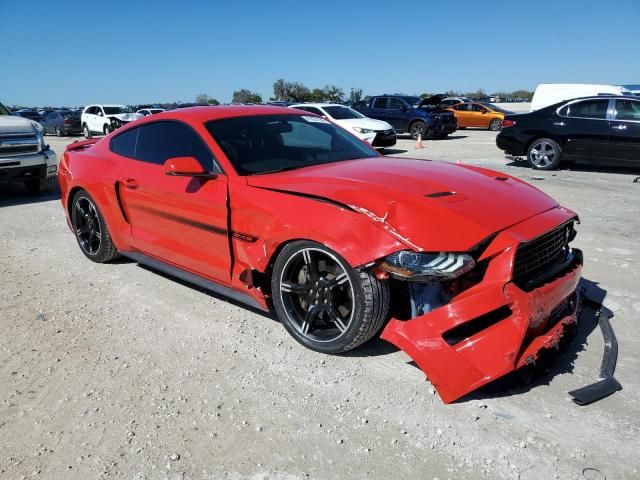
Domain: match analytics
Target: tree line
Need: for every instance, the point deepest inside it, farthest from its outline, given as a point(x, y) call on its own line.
point(287, 91)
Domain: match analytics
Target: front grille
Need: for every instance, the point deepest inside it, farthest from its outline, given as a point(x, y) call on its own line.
point(541, 255)
point(18, 144)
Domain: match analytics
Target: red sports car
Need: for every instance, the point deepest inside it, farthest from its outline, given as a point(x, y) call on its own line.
point(467, 270)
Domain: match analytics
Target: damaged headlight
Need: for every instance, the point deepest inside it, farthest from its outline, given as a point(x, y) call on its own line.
point(436, 266)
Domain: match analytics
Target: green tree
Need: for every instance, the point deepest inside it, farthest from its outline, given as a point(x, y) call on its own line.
point(246, 96)
point(355, 95)
point(333, 94)
point(213, 101)
point(202, 98)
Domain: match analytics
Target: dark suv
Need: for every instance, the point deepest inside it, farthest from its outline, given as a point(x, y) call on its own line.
point(412, 115)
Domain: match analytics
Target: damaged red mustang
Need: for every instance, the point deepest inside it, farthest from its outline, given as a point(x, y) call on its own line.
point(467, 270)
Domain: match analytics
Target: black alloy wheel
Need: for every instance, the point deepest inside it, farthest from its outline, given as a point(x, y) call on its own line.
point(91, 230)
point(324, 303)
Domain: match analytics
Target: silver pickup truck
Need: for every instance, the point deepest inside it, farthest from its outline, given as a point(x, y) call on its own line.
point(24, 156)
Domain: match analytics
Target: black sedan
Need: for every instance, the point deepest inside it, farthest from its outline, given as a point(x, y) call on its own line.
point(595, 129)
point(61, 122)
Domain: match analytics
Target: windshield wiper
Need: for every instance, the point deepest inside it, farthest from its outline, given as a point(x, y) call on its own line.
point(283, 169)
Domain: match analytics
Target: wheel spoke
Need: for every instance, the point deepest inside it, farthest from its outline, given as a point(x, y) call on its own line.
point(310, 317)
point(312, 268)
point(339, 280)
point(290, 287)
point(83, 230)
point(335, 318)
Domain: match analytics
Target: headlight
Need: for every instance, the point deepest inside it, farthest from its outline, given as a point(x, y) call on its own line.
point(437, 266)
point(362, 130)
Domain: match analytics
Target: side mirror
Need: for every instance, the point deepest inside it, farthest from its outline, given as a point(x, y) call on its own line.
point(186, 167)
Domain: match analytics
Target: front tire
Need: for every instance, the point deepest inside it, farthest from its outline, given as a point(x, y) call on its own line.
point(323, 302)
point(544, 154)
point(58, 132)
point(91, 230)
point(86, 132)
point(418, 128)
point(106, 130)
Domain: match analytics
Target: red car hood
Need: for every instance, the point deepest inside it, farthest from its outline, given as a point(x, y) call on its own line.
point(429, 205)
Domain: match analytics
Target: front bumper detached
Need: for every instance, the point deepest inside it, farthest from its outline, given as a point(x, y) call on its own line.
point(510, 327)
point(607, 384)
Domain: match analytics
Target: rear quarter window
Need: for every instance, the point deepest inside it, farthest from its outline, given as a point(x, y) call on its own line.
point(125, 143)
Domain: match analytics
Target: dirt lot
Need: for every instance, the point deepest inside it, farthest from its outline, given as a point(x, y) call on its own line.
point(114, 371)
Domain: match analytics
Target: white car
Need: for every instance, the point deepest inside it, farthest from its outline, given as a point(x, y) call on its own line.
point(103, 119)
point(376, 132)
point(150, 111)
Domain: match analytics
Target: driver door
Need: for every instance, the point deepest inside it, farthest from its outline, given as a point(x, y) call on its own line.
point(179, 220)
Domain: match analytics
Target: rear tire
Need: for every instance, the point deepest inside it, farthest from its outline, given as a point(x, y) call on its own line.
point(323, 302)
point(91, 229)
point(106, 130)
point(495, 125)
point(58, 132)
point(544, 154)
point(86, 132)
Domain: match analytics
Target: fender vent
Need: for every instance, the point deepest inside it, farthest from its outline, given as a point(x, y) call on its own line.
point(439, 194)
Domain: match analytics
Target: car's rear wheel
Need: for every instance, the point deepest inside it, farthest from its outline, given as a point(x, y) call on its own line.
point(106, 130)
point(495, 125)
point(323, 302)
point(544, 154)
point(91, 230)
point(418, 128)
point(86, 132)
point(58, 132)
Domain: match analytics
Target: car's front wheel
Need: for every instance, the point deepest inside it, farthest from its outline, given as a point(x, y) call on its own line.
point(86, 132)
point(544, 154)
point(91, 230)
point(106, 130)
point(418, 128)
point(495, 125)
point(323, 302)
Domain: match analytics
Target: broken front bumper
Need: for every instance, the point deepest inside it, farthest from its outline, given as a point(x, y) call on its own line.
point(494, 327)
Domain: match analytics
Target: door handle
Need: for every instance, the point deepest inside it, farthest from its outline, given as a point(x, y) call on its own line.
point(619, 127)
point(559, 124)
point(131, 183)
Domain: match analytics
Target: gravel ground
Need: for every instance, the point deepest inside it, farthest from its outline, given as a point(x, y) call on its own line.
point(114, 371)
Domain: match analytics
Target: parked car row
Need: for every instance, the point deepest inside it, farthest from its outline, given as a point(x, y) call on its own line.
point(596, 129)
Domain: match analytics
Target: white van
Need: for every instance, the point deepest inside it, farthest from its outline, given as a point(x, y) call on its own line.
point(549, 93)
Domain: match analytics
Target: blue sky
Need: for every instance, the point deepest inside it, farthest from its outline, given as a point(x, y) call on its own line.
point(138, 51)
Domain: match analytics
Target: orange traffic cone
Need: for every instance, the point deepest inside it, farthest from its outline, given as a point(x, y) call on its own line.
point(419, 142)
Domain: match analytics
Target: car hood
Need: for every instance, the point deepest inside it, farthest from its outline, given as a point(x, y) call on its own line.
point(11, 125)
point(368, 123)
point(126, 117)
point(428, 205)
point(432, 100)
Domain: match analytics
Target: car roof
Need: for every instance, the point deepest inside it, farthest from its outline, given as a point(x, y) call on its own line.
point(317, 105)
point(204, 114)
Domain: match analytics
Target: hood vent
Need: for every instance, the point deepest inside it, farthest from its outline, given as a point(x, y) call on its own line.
point(439, 194)
point(501, 179)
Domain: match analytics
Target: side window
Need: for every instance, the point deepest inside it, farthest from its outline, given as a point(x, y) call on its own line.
point(395, 104)
point(463, 107)
point(160, 141)
point(589, 109)
point(627, 110)
point(380, 103)
point(477, 108)
point(125, 143)
point(306, 136)
point(90, 111)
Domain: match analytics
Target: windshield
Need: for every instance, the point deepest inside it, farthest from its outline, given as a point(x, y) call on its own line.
point(4, 110)
point(413, 101)
point(115, 110)
point(272, 143)
point(69, 114)
point(156, 110)
point(342, 113)
point(494, 107)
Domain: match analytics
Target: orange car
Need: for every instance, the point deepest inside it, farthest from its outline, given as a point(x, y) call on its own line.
point(483, 115)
